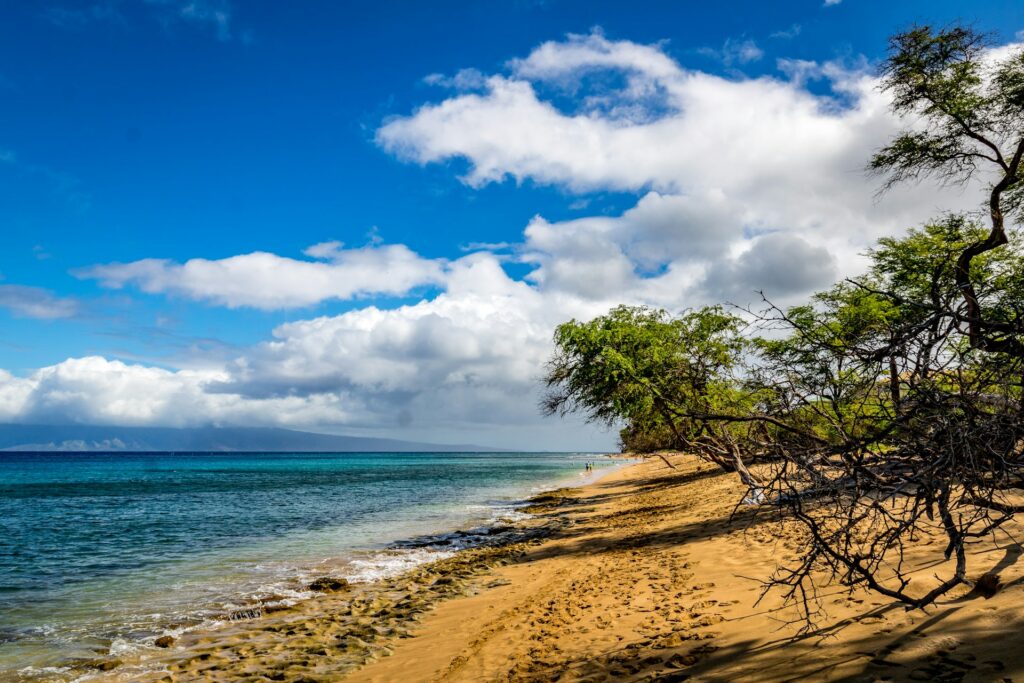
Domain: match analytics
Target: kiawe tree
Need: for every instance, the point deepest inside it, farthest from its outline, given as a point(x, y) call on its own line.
point(969, 104)
point(663, 376)
point(919, 433)
point(912, 373)
point(890, 408)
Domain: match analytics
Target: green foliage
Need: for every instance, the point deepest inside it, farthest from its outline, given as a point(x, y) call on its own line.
point(646, 435)
point(906, 265)
point(636, 361)
point(938, 71)
point(919, 270)
point(972, 110)
point(884, 405)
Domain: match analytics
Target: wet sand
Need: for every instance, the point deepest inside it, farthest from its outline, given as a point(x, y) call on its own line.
point(645, 575)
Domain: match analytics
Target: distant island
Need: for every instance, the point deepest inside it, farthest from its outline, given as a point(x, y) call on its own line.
point(23, 437)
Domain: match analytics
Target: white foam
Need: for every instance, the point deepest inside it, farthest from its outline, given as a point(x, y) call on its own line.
point(120, 646)
point(391, 563)
point(510, 514)
point(43, 670)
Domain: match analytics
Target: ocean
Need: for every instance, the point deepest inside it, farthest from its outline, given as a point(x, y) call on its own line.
point(103, 552)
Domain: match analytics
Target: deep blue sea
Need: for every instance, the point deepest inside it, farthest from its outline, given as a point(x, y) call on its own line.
point(102, 552)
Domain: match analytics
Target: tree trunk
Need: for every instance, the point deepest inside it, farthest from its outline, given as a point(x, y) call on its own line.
point(995, 239)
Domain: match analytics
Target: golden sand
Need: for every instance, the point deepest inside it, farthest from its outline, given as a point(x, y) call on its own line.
point(644, 576)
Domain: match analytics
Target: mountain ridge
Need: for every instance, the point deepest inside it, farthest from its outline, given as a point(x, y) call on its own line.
point(26, 437)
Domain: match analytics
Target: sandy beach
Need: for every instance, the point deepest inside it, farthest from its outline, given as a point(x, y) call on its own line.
point(511, 342)
point(645, 575)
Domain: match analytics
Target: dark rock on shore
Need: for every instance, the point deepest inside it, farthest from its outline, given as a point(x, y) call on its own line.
point(99, 664)
point(328, 584)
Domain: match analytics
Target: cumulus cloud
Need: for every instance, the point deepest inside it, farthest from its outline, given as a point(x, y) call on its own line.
point(578, 53)
point(702, 130)
point(777, 265)
point(486, 329)
point(95, 390)
point(268, 281)
point(741, 184)
point(717, 163)
point(462, 366)
point(34, 302)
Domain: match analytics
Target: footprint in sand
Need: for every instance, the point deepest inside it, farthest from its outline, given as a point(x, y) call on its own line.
point(934, 646)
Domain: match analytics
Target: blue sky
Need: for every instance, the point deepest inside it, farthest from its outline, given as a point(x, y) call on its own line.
point(203, 129)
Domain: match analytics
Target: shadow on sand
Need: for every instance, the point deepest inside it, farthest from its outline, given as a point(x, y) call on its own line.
point(886, 654)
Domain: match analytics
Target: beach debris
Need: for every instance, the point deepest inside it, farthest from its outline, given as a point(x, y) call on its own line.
point(247, 613)
point(276, 603)
point(98, 664)
point(328, 584)
point(988, 584)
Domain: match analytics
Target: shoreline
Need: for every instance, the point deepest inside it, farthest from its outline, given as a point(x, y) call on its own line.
point(59, 633)
point(481, 539)
point(644, 574)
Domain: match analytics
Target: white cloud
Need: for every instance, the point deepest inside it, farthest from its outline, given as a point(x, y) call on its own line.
point(785, 34)
point(33, 302)
point(718, 162)
point(95, 390)
point(698, 123)
point(485, 246)
point(741, 184)
point(464, 79)
point(742, 52)
point(652, 253)
point(554, 60)
point(484, 329)
point(734, 51)
point(461, 367)
point(268, 281)
point(324, 250)
point(830, 3)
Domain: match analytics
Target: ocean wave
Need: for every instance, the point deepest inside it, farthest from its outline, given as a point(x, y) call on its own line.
point(388, 564)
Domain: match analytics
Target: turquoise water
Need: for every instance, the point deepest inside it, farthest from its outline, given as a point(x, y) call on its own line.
point(102, 552)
